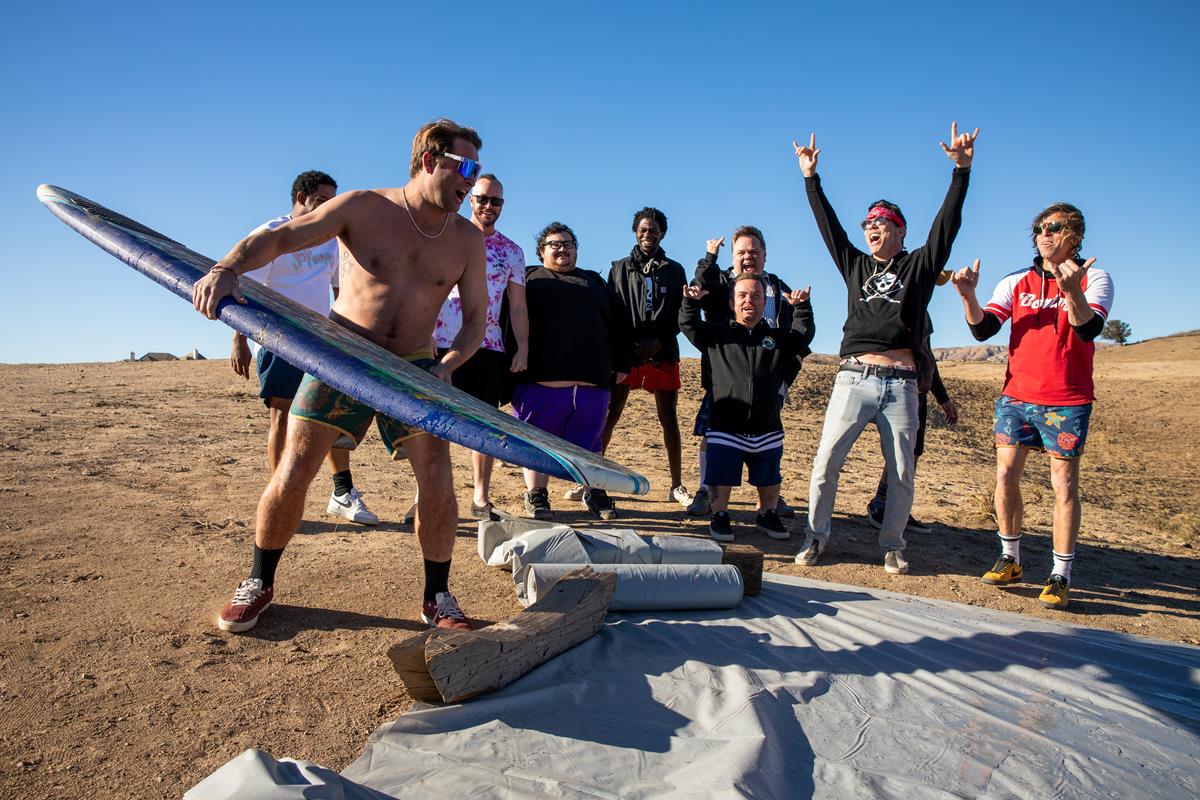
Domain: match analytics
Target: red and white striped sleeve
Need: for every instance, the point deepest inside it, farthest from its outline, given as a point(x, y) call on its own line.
point(1098, 291)
point(1001, 304)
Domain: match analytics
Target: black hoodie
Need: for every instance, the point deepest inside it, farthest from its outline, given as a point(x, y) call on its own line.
point(744, 368)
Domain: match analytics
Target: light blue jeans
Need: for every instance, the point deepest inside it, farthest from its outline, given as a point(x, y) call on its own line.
point(891, 403)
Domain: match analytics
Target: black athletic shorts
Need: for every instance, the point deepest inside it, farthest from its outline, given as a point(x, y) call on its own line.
point(276, 377)
point(483, 375)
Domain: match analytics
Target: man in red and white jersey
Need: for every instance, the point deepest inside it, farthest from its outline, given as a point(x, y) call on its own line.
point(1058, 307)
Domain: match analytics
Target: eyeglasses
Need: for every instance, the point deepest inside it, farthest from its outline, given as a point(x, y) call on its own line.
point(1049, 227)
point(873, 222)
point(487, 199)
point(556, 246)
point(467, 167)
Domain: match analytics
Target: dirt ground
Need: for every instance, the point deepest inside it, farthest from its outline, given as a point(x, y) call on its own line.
point(128, 493)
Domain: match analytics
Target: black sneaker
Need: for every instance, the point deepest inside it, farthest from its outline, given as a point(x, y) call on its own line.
point(916, 526)
point(875, 515)
point(719, 528)
point(599, 504)
point(784, 510)
point(769, 523)
point(537, 504)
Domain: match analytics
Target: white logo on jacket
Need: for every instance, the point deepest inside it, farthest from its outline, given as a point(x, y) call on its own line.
point(1030, 300)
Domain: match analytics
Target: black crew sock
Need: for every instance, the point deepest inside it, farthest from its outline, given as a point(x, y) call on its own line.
point(265, 562)
point(342, 482)
point(437, 579)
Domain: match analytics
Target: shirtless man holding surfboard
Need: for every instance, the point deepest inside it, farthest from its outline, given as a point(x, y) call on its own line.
point(402, 251)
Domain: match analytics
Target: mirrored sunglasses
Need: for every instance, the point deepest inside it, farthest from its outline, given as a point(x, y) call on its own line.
point(467, 167)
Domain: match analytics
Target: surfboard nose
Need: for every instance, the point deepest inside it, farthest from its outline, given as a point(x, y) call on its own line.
point(48, 193)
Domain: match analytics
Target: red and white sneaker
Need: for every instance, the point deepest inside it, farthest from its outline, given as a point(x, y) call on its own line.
point(249, 601)
point(444, 612)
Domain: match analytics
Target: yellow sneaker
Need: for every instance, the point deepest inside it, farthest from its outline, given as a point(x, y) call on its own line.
point(1054, 593)
point(1006, 570)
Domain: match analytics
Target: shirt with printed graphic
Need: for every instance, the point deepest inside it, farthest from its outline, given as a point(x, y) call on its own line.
point(1048, 363)
point(505, 264)
point(303, 276)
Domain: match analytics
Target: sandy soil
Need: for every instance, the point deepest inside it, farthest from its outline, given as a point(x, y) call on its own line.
point(128, 498)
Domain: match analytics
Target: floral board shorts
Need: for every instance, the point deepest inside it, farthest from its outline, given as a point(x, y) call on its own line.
point(1059, 430)
point(320, 403)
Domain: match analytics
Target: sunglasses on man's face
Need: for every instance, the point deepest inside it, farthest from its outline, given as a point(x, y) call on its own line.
point(467, 167)
point(556, 246)
point(1049, 227)
point(873, 222)
point(487, 199)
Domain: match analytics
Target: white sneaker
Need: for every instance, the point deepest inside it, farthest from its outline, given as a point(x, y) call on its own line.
point(894, 563)
point(575, 493)
point(681, 495)
point(351, 506)
point(810, 551)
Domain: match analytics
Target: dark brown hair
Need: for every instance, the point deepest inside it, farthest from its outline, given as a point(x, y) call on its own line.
point(436, 137)
point(1074, 222)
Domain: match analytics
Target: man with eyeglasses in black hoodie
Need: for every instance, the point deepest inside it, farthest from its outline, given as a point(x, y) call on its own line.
point(888, 292)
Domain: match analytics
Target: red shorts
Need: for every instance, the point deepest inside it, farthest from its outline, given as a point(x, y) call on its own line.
point(653, 377)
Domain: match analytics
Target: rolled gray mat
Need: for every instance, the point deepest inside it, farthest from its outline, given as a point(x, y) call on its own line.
point(651, 587)
point(685, 550)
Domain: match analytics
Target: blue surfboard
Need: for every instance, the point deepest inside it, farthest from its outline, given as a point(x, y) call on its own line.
point(340, 358)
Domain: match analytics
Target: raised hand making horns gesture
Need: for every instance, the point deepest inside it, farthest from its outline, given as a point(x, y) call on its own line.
point(962, 147)
point(807, 156)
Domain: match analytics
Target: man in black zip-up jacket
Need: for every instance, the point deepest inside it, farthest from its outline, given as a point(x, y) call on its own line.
point(650, 287)
point(749, 255)
point(888, 291)
point(743, 360)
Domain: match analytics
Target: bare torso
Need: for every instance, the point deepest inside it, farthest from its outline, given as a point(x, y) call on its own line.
point(902, 357)
point(393, 279)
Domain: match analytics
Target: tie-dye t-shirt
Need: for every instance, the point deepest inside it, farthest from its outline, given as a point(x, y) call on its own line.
point(505, 263)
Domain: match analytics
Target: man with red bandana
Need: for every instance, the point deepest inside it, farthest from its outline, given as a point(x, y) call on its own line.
point(1058, 307)
point(888, 291)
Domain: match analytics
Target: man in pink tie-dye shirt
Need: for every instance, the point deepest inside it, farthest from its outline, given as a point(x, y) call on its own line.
point(483, 375)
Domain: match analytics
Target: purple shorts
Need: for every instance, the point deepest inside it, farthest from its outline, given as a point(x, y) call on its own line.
point(574, 413)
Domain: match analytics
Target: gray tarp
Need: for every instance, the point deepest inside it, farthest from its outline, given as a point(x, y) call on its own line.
point(815, 689)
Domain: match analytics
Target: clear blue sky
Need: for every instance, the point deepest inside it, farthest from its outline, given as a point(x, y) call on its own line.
point(195, 118)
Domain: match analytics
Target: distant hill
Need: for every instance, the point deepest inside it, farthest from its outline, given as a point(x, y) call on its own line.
point(976, 352)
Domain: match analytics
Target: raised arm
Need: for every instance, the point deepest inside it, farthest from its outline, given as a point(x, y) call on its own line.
point(697, 331)
point(264, 246)
point(949, 218)
point(983, 325)
point(708, 277)
point(804, 324)
point(832, 232)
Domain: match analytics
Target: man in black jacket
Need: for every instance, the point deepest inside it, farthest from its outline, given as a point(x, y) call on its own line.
point(749, 256)
point(888, 291)
point(650, 286)
point(743, 361)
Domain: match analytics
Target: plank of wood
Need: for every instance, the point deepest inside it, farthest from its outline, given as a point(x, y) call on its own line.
point(408, 659)
point(462, 664)
point(749, 561)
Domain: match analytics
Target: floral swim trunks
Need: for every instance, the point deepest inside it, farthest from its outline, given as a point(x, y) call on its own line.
point(1059, 430)
point(320, 403)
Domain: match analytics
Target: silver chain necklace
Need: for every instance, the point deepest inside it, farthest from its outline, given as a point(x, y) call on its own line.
point(404, 197)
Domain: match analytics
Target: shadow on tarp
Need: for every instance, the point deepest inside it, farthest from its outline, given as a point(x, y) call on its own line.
point(1113, 658)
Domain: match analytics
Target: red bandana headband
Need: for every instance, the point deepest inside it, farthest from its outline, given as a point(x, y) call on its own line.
point(886, 213)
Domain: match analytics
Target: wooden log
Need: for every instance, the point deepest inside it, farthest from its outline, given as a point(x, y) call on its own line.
point(458, 665)
point(749, 561)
